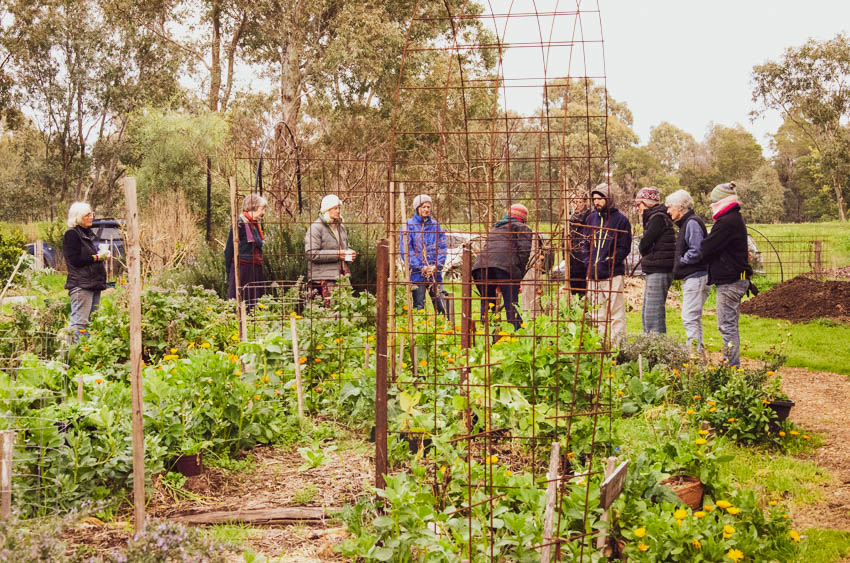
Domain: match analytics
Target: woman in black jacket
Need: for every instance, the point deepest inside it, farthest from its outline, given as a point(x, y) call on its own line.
point(503, 262)
point(86, 272)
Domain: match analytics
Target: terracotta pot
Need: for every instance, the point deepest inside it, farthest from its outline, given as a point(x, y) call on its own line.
point(688, 489)
point(189, 465)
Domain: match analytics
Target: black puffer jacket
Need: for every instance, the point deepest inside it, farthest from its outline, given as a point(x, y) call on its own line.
point(84, 271)
point(508, 248)
point(658, 245)
point(725, 249)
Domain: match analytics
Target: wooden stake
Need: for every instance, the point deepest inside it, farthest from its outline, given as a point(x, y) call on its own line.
point(134, 291)
point(602, 539)
point(395, 362)
point(551, 488)
point(80, 388)
point(39, 255)
point(234, 224)
point(9, 282)
point(7, 447)
point(295, 354)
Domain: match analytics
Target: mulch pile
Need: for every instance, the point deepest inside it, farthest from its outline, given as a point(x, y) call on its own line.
point(802, 299)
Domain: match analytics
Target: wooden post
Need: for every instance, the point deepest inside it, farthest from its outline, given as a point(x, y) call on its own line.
point(298, 388)
point(39, 255)
point(381, 361)
point(14, 272)
point(7, 447)
point(234, 225)
point(818, 250)
point(391, 237)
point(551, 489)
point(411, 342)
point(603, 538)
point(135, 305)
point(80, 388)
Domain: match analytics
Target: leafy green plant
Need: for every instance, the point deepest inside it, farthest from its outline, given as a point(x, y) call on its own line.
point(315, 456)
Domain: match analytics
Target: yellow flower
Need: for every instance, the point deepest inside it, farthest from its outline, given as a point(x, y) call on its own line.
point(697, 397)
point(338, 340)
point(293, 314)
point(205, 345)
point(613, 362)
point(708, 507)
point(319, 347)
point(173, 350)
point(728, 531)
point(85, 348)
point(675, 372)
point(794, 433)
point(457, 327)
point(403, 365)
point(423, 363)
point(443, 469)
point(731, 420)
point(237, 373)
point(697, 544)
point(700, 441)
point(450, 360)
point(724, 504)
point(690, 411)
point(191, 345)
point(371, 338)
point(680, 514)
point(735, 555)
point(640, 532)
point(261, 306)
point(256, 397)
point(98, 381)
point(334, 375)
point(733, 510)
point(703, 432)
point(444, 354)
point(302, 360)
point(277, 392)
point(610, 376)
point(712, 403)
point(781, 433)
point(234, 337)
point(508, 472)
point(770, 373)
point(265, 379)
point(404, 307)
point(292, 386)
point(642, 546)
point(317, 360)
point(278, 372)
point(82, 331)
point(712, 409)
point(619, 393)
point(794, 536)
point(773, 503)
point(491, 460)
point(805, 437)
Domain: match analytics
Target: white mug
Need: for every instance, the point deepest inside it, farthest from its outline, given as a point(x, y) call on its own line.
point(349, 255)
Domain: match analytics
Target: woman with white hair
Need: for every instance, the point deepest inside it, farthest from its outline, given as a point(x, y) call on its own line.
point(86, 272)
point(326, 246)
point(688, 264)
point(250, 258)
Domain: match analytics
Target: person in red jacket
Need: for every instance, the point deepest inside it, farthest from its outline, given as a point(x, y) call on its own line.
point(725, 252)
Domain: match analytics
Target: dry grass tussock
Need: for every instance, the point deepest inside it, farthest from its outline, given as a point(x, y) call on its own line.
point(167, 232)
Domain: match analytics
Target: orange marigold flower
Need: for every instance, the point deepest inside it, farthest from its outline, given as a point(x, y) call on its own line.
point(794, 535)
point(781, 433)
point(640, 532)
point(735, 555)
point(724, 504)
point(733, 510)
point(642, 546)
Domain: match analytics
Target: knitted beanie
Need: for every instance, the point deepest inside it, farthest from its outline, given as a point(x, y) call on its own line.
point(518, 211)
point(722, 191)
point(419, 200)
point(650, 193)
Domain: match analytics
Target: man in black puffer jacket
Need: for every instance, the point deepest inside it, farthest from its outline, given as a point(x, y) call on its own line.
point(725, 252)
point(657, 249)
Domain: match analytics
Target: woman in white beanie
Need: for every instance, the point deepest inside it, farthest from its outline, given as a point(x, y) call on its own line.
point(326, 246)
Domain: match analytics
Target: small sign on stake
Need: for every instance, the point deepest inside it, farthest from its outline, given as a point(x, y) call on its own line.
point(613, 485)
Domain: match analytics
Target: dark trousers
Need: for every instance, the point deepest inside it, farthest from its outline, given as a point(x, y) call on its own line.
point(578, 277)
point(433, 290)
point(252, 281)
point(488, 281)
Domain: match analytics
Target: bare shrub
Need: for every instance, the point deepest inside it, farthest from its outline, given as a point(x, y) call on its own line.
point(167, 232)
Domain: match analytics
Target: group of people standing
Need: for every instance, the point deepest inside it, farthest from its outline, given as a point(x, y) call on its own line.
point(675, 246)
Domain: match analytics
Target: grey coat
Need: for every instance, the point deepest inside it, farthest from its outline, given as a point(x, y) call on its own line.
point(322, 249)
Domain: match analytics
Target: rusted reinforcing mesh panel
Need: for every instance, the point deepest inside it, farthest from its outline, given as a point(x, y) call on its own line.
point(781, 258)
point(492, 401)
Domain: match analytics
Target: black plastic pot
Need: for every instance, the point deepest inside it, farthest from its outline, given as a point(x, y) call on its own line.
point(782, 408)
point(189, 465)
point(415, 440)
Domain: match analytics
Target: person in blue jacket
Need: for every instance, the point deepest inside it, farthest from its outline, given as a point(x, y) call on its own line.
point(610, 241)
point(423, 248)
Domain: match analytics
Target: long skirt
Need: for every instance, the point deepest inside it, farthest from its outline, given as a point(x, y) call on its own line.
point(251, 281)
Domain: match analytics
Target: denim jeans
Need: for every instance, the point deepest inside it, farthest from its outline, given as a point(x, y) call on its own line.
point(609, 302)
point(653, 314)
point(695, 291)
point(729, 297)
point(84, 302)
point(433, 290)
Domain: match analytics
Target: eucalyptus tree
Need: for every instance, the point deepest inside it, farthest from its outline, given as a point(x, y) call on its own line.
point(809, 86)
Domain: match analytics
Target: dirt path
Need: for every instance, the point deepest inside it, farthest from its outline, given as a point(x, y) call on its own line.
point(822, 402)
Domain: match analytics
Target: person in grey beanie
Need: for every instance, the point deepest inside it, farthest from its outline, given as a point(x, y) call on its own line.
point(423, 247)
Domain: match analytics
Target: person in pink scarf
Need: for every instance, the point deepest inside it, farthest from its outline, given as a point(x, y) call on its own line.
point(725, 252)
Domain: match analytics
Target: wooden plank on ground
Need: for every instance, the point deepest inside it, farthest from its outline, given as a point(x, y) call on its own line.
point(260, 516)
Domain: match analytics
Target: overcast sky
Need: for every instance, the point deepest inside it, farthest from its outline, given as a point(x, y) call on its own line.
point(689, 62)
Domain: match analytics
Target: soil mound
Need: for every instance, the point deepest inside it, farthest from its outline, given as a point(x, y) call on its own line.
point(802, 299)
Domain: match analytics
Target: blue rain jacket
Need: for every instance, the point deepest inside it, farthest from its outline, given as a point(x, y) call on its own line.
point(426, 241)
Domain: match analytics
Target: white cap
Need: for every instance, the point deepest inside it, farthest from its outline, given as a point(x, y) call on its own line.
point(329, 202)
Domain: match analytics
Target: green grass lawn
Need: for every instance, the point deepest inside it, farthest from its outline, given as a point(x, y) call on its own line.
point(818, 345)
